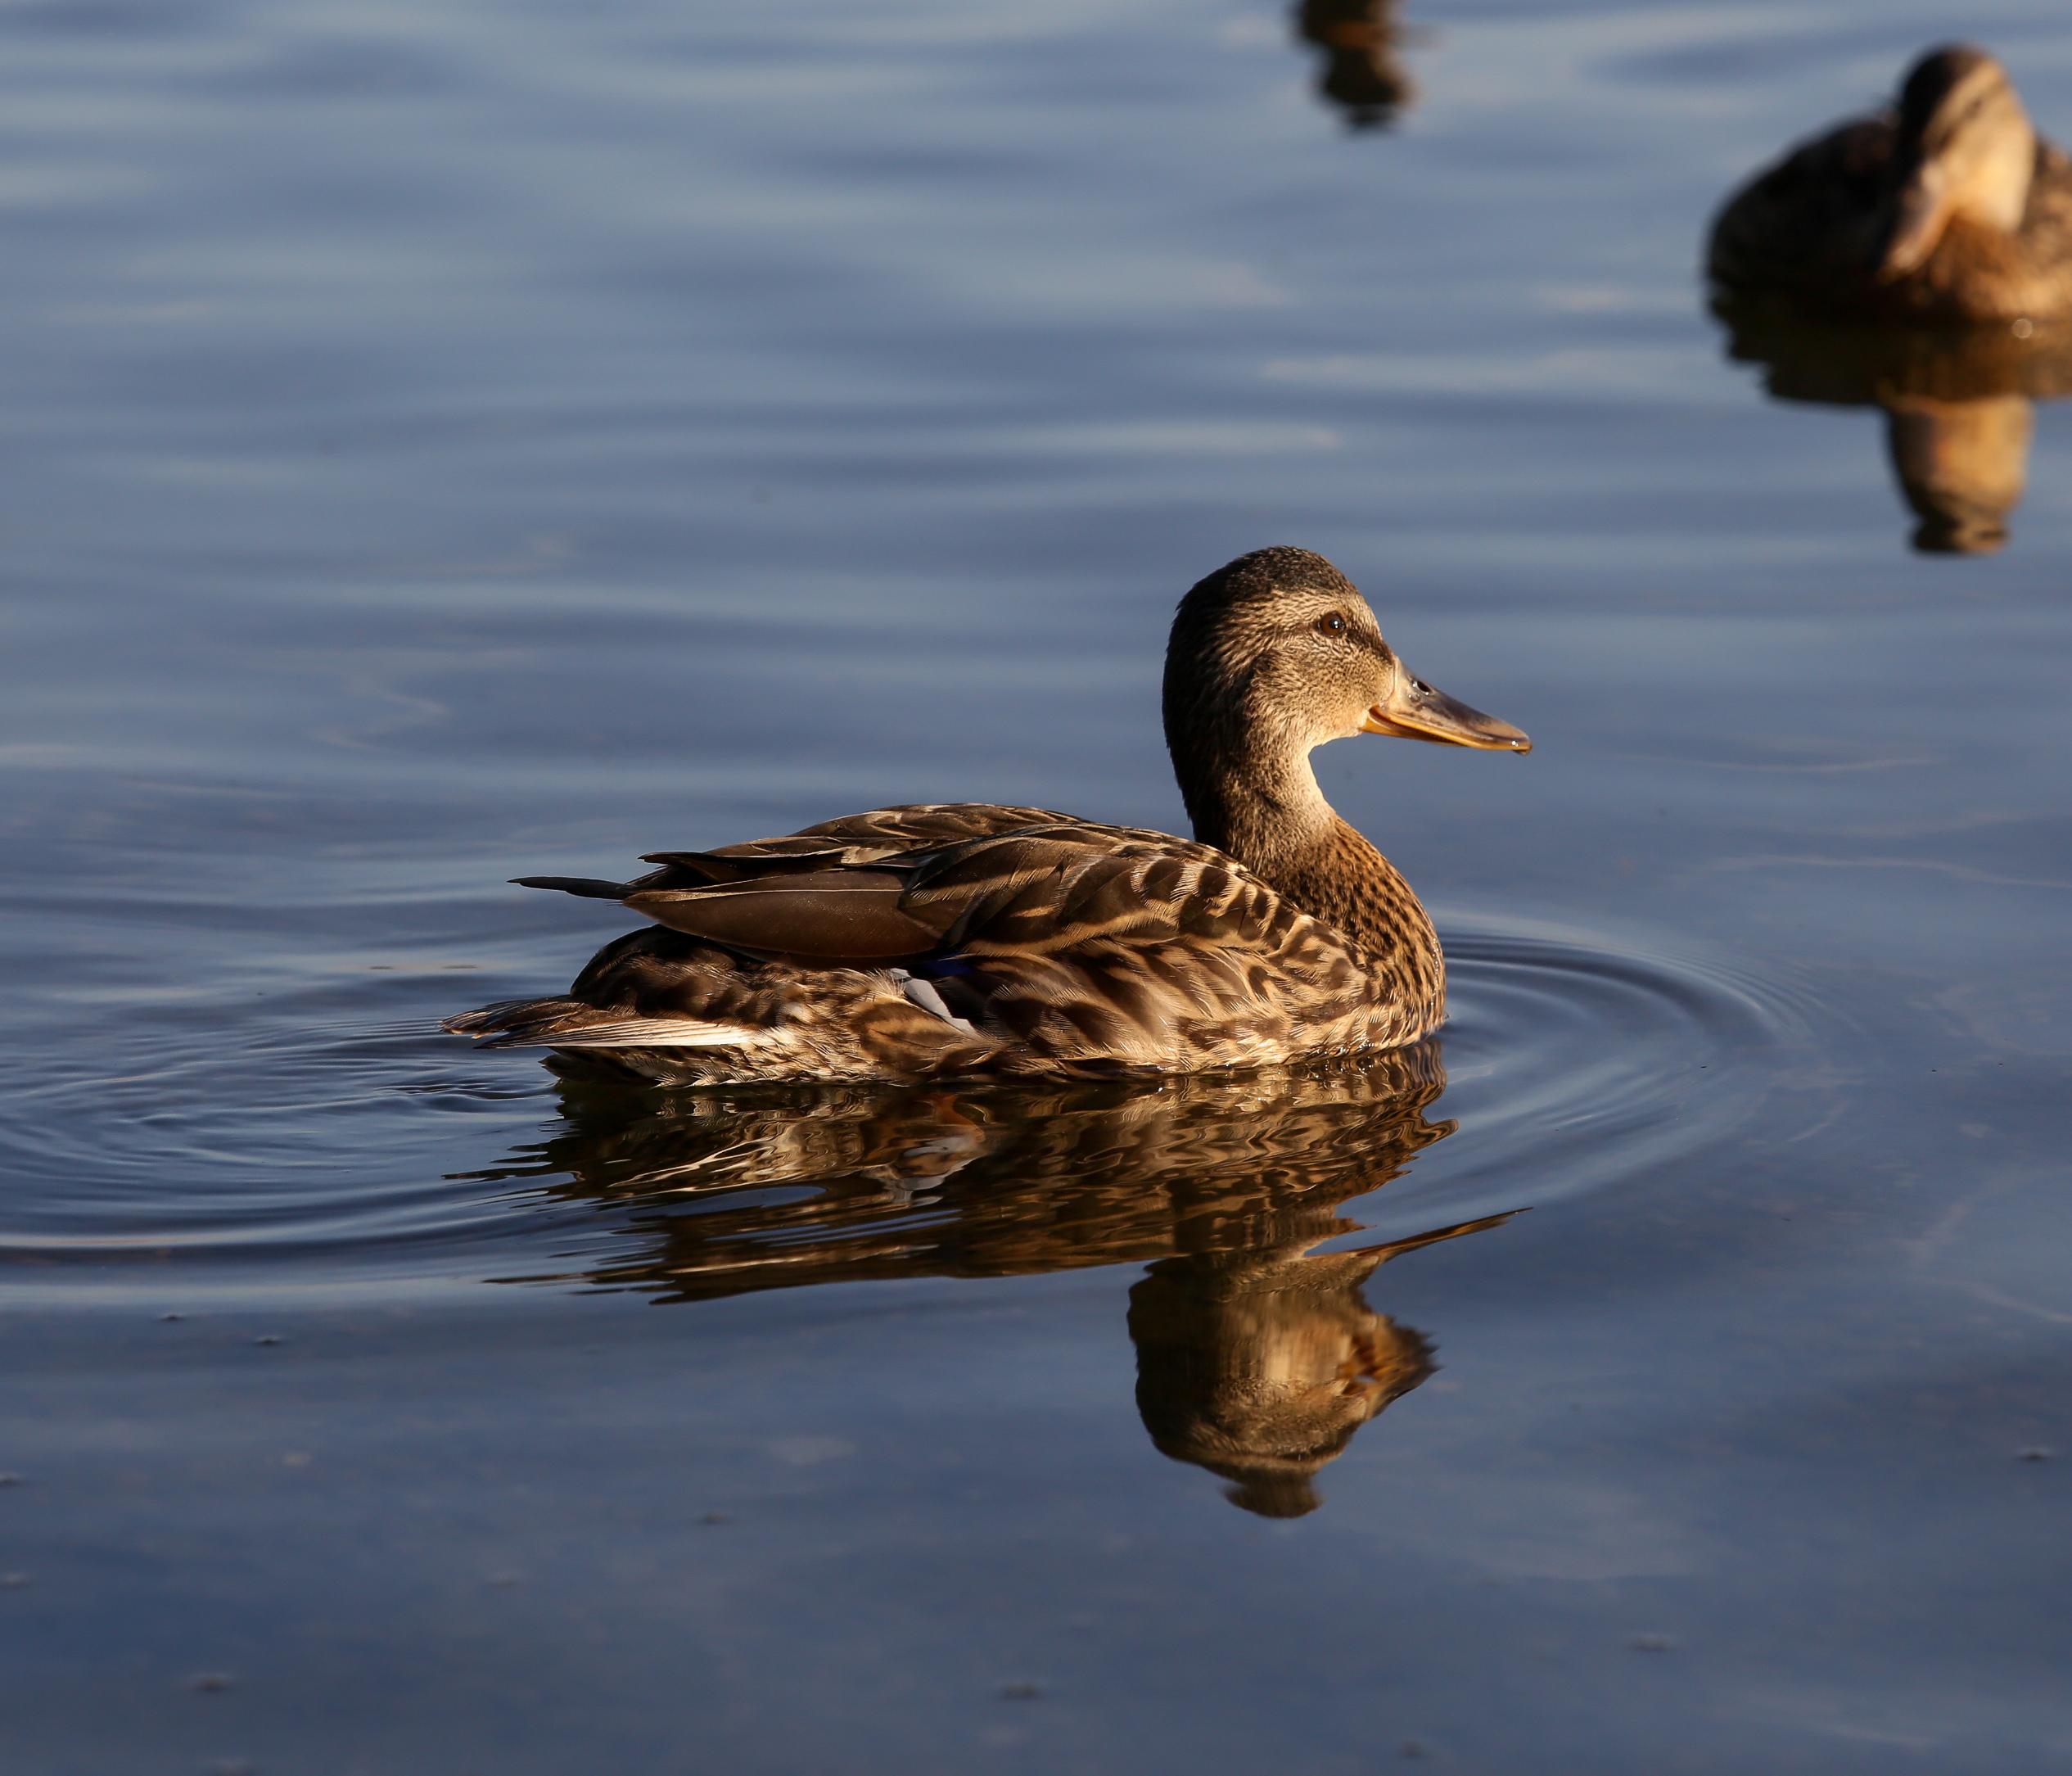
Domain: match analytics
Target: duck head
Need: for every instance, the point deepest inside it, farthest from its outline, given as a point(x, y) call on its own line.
point(1276, 653)
point(1965, 149)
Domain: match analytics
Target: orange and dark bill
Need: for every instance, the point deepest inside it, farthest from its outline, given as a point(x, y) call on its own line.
point(1415, 711)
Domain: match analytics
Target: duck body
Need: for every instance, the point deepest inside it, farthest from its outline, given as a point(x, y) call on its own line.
point(970, 938)
point(954, 939)
point(1947, 208)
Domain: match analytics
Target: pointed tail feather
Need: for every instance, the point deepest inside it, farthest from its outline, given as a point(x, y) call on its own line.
point(570, 1024)
point(589, 887)
point(485, 1020)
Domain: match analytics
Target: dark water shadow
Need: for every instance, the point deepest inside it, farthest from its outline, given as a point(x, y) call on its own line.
point(1259, 1356)
point(1959, 405)
point(1361, 72)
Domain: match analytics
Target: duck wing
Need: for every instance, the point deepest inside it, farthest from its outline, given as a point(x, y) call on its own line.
point(831, 894)
point(1042, 886)
point(1806, 224)
point(1047, 945)
point(1093, 947)
point(854, 838)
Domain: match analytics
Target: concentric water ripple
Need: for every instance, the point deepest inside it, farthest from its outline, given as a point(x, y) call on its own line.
point(376, 1151)
point(1575, 1061)
point(1579, 1061)
point(299, 1139)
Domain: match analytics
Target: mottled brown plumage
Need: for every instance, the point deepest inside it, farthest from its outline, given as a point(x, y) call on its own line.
point(1947, 208)
point(915, 941)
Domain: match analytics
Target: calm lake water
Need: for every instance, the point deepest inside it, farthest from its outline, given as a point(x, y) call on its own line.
point(447, 441)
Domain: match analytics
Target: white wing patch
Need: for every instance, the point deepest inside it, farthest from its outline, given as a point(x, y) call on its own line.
point(927, 996)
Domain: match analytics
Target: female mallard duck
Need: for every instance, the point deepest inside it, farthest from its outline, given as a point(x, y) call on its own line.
point(1952, 209)
point(911, 942)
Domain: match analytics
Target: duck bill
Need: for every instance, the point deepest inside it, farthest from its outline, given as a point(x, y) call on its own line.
point(1920, 213)
point(1414, 712)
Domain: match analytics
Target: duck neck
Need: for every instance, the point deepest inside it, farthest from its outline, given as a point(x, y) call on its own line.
point(1272, 817)
point(1266, 810)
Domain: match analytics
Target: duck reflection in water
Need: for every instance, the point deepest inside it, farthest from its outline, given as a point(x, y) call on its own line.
point(1363, 74)
point(1959, 406)
point(1259, 1365)
point(1257, 1358)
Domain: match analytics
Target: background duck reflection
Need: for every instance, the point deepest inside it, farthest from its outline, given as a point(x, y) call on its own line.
point(1257, 1357)
point(1362, 73)
point(1958, 406)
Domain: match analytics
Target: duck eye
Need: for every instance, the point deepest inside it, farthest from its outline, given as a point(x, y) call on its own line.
point(1333, 624)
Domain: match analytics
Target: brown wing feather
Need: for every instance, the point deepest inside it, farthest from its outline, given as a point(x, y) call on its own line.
point(918, 824)
point(839, 916)
point(871, 836)
point(1109, 946)
point(1806, 222)
point(1058, 945)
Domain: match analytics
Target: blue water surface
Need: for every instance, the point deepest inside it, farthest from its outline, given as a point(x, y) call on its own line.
point(445, 441)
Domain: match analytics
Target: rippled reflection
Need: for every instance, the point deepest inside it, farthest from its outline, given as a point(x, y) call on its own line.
point(1259, 1365)
point(1362, 73)
point(1958, 406)
point(1257, 1357)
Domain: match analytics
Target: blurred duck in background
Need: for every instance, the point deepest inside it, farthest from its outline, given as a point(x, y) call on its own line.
point(1959, 405)
point(1948, 209)
point(1363, 74)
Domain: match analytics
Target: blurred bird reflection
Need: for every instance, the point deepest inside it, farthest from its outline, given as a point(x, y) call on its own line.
point(1257, 1357)
point(1362, 73)
point(1958, 406)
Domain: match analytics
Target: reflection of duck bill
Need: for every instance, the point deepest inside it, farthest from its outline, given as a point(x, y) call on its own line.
point(1963, 466)
point(1958, 533)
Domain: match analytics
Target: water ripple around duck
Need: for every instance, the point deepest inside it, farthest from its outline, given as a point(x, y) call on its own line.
point(333, 1139)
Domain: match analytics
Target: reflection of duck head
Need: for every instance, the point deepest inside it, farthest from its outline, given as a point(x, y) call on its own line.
point(1260, 1366)
point(1361, 74)
point(1256, 1357)
point(1962, 465)
point(1958, 406)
